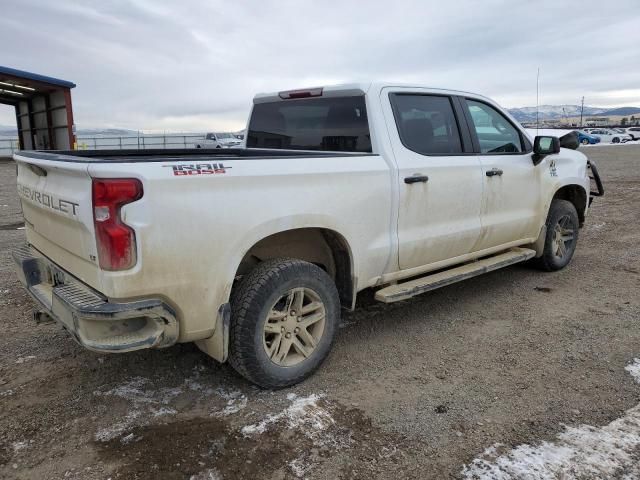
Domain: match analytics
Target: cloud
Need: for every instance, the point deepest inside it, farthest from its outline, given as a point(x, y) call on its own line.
point(195, 65)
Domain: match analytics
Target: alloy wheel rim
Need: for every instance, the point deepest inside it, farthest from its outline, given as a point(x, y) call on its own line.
point(563, 237)
point(294, 326)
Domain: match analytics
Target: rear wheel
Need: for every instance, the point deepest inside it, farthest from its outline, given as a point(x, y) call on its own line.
point(284, 315)
point(562, 236)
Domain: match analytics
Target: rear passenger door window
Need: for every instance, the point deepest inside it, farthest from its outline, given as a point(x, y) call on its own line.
point(495, 133)
point(426, 123)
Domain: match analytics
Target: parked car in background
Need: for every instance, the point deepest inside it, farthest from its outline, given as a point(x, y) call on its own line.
point(210, 141)
point(219, 140)
point(587, 139)
point(610, 136)
point(227, 140)
point(634, 132)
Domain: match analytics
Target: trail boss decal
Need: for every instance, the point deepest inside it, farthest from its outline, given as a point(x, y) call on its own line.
point(198, 169)
point(552, 168)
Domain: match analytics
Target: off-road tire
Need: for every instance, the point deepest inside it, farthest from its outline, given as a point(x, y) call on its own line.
point(549, 261)
point(251, 301)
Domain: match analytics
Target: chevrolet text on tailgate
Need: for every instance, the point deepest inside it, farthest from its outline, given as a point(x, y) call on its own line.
point(253, 252)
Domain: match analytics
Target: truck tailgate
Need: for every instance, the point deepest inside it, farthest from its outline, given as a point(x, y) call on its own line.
point(57, 207)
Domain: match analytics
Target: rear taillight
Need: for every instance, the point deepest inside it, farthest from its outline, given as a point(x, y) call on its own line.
point(116, 241)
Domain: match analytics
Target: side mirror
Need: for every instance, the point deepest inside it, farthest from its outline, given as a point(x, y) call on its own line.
point(543, 146)
point(570, 140)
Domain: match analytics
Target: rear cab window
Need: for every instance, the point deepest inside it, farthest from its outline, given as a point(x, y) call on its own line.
point(338, 124)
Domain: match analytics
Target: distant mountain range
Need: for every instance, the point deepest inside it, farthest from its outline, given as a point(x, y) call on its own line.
point(556, 112)
point(8, 130)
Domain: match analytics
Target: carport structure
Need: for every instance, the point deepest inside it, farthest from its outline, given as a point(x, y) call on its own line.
point(43, 109)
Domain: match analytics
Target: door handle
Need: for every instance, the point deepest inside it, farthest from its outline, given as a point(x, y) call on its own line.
point(494, 172)
point(416, 179)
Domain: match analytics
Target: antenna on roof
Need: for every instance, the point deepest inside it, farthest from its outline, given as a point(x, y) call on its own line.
point(538, 101)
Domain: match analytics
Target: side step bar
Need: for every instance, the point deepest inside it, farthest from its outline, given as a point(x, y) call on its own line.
point(403, 291)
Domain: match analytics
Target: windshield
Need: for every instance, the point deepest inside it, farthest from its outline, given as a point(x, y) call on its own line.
point(336, 124)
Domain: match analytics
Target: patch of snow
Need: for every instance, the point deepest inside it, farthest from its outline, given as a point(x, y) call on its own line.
point(7, 393)
point(195, 386)
point(596, 226)
point(209, 474)
point(118, 428)
point(163, 411)
point(134, 391)
point(236, 401)
point(303, 414)
point(128, 439)
point(299, 467)
point(148, 403)
point(25, 359)
point(578, 452)
point(17, 446)
point(145, 404)
point(634, 369)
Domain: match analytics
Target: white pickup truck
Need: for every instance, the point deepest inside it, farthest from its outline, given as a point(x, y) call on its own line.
point(251, 253)
point(218, 140)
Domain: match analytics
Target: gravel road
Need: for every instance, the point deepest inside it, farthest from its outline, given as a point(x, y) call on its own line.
point(420, 389)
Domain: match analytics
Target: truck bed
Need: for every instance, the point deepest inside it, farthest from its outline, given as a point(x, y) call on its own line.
point(175, 155)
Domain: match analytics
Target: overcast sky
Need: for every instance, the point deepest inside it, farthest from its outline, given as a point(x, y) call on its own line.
point(195, 65)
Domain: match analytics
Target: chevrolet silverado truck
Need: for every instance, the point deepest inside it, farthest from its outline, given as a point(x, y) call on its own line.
point(252, 252)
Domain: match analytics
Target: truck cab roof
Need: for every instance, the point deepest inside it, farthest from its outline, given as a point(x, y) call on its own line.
point(357, 88)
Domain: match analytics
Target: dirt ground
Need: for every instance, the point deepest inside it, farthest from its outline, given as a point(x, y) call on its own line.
point(416, 389)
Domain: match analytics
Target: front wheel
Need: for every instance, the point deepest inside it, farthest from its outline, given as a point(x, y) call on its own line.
point(284, 315)
point(562, 236)
point(585, 141)
point(615, 140)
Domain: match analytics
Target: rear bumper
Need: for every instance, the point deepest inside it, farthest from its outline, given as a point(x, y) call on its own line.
point(92, 320)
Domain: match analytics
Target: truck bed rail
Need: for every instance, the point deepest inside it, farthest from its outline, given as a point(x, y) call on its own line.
point(181, 154)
